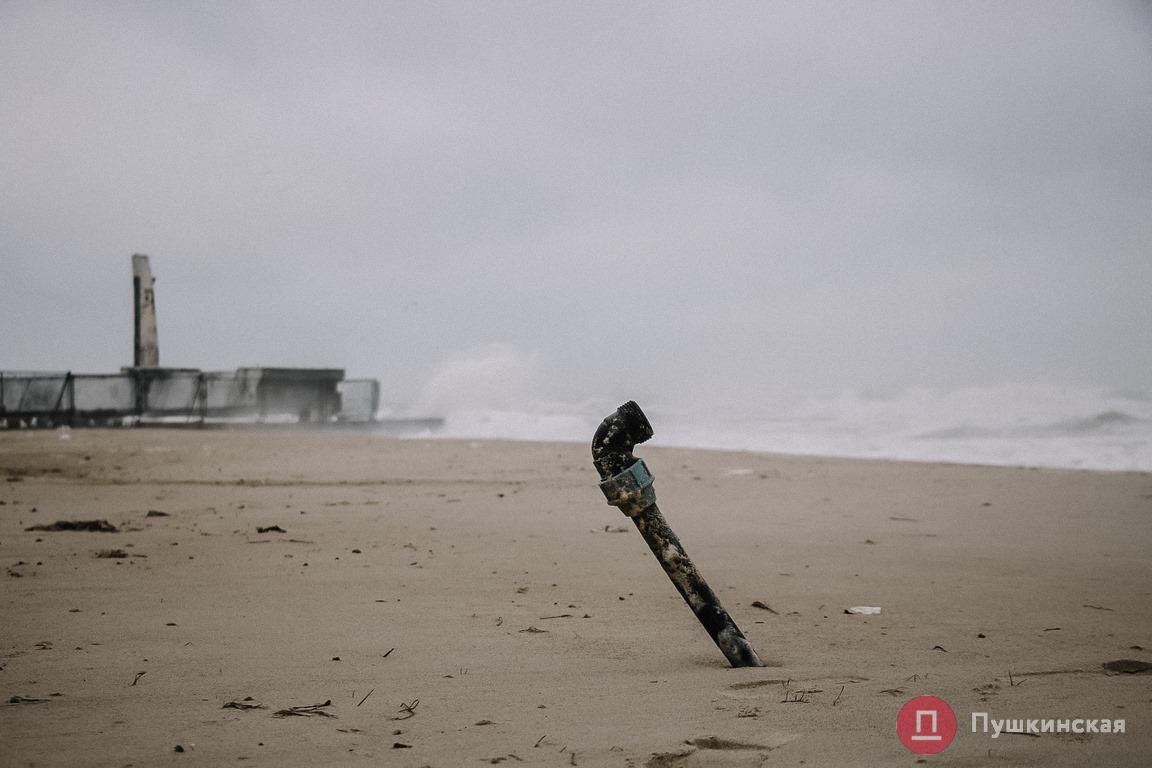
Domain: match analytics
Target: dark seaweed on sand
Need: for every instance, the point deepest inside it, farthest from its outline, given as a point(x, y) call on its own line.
point(97, 526)
point(1128, 666)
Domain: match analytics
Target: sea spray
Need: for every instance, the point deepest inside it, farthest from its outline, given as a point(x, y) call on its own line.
point(1013, 425)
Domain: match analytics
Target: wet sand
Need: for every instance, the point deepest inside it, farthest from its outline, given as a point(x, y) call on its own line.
point(470, 603)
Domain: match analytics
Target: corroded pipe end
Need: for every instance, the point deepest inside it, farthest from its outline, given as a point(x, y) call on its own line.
point(614, 439)
point(635, 421)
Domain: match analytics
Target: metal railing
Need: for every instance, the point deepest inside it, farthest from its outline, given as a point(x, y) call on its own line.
point(49, 399)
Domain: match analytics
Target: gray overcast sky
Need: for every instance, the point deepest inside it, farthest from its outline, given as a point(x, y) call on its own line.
point(651, 199)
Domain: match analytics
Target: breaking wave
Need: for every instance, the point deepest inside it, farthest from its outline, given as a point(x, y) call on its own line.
point(1105, 422)
point(497, 396)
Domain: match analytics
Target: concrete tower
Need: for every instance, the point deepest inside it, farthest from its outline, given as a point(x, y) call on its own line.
point(147, 349)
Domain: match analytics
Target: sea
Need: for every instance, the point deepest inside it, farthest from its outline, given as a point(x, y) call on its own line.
point(1016, 425)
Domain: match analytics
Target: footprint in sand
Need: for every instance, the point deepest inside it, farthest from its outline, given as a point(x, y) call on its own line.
point(713, 751)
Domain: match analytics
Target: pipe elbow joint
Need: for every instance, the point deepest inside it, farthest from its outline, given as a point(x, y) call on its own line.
point(617, 435)
point(625, 479)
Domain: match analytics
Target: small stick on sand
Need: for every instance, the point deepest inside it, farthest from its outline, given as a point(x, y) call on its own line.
point(407, 710)
point(307, 710)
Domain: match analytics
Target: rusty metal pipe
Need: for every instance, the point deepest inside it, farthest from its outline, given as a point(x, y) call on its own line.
point(627, 484)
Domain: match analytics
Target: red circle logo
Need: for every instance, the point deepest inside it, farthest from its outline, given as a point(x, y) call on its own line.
point(926, 725)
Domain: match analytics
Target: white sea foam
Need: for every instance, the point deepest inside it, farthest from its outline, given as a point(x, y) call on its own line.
point(1015, 425)
point(1011, 425)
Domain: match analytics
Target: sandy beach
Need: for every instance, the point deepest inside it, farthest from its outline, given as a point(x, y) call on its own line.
point(315, 599)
